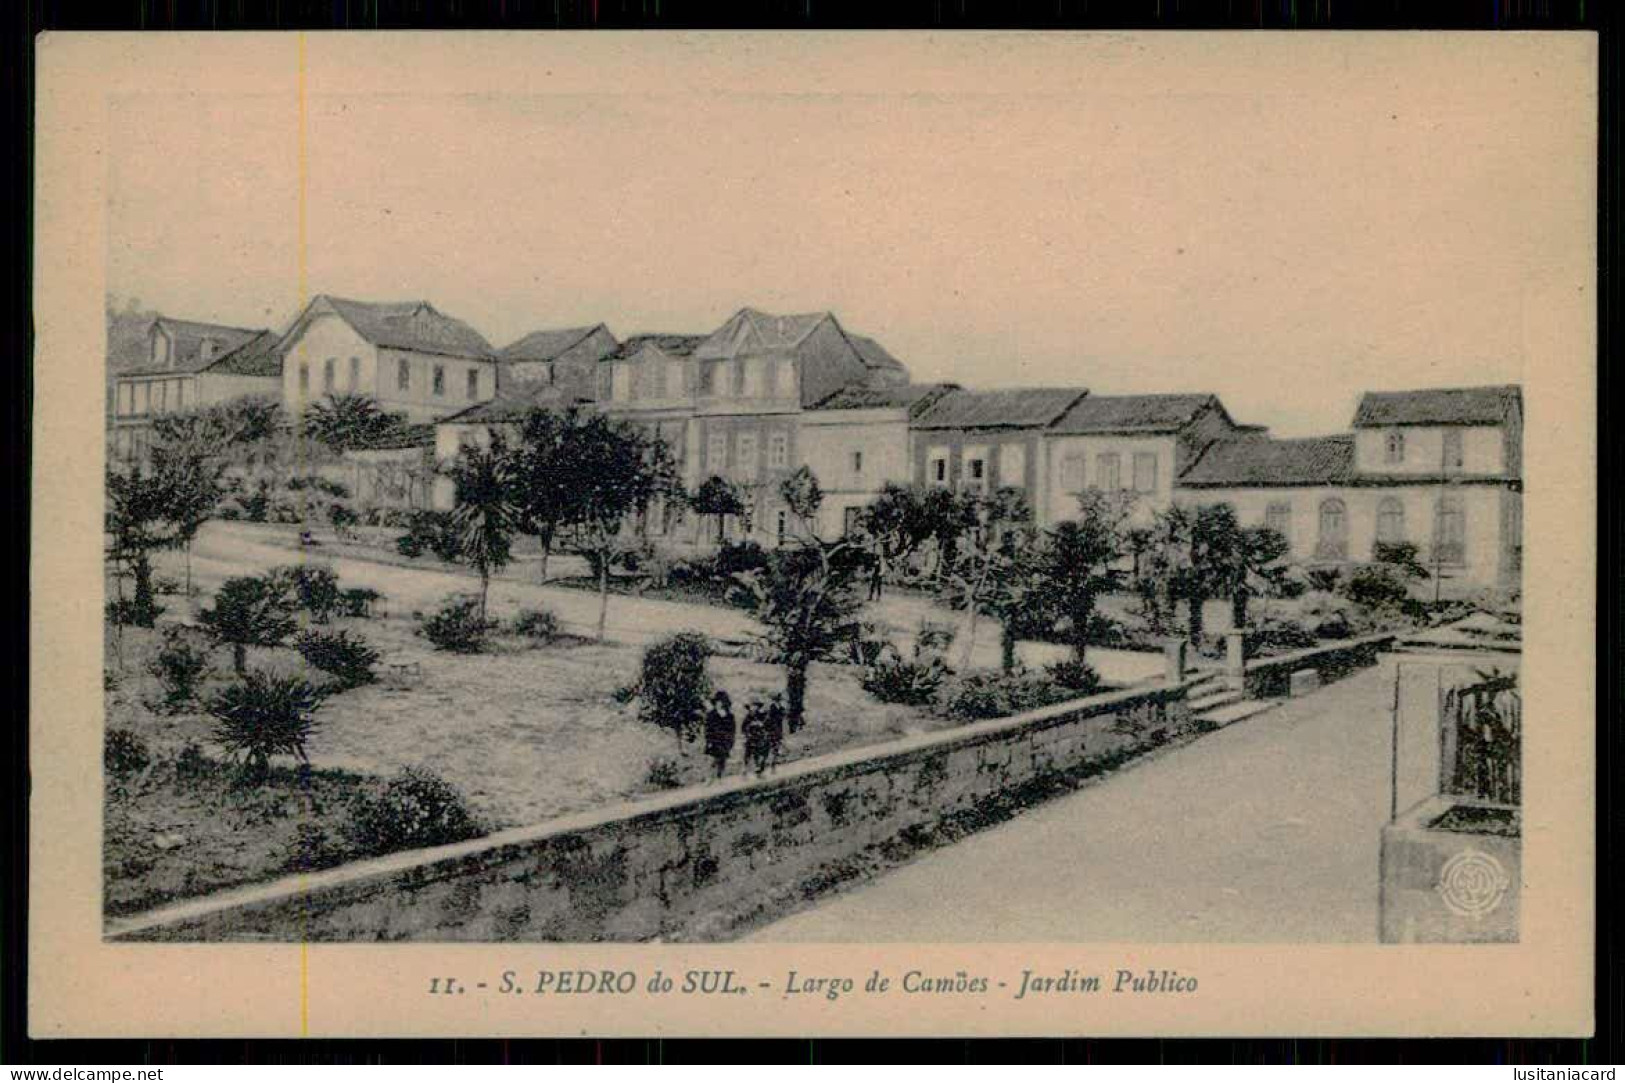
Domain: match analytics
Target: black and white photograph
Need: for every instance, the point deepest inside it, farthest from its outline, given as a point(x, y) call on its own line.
point(840, 489)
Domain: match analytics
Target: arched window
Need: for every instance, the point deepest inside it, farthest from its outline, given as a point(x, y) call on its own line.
point(1396, 447)
point(1390, 520)
point(1334, 530)
point(1450, 531)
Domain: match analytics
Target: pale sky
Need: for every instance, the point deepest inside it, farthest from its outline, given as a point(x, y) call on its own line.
point(1283, 220)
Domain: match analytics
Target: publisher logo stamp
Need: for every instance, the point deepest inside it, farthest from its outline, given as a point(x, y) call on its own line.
point(1472, 883)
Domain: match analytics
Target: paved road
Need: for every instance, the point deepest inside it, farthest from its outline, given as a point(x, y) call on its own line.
point(1263, 832)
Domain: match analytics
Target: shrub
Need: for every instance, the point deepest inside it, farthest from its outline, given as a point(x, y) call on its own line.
point(347, 658)
point(358, 601)
point(456, 626)
point(673, 685)
point(257, 505)
point(537, 624)
point(911, 681)
point(665, 773)
point(1075, 677)
point(265, 715)
point(179, 665)
point(1384, 587)
point(341, 518)
point(167, 585)
point(741, 557)
point(130, 611)
point(995, 694)
point(430, 532)
point(315, 586)
point(250, 611)
point(1324, 578)
point(1277, 636)
point(124, 753)
point(415, 808)
point(190, 762)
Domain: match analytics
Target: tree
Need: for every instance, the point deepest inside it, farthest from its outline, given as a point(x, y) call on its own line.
point(1077, 561)
point(896, 523)
point(485, 515)
point(949, 516)
point(1163, 566)
point(139, 523)
point(1258, 568)
point(346, 421)
point(615, 471)
point(543, 480)
point(251, 611)
point(803, 495)
point(1215, 541)
point(717, 496)
point(265, 715)
point(1000, 527)
point(188, 460)
point(807, 602)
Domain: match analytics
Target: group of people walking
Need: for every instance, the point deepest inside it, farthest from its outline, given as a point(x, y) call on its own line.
point(762, 730)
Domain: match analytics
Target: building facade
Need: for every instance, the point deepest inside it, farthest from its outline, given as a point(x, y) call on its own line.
point(983, 441)
point(189, 365)
point(409, 357)
point(565, 359)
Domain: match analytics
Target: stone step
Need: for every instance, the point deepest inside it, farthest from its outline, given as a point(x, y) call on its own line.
point(1210, 700)
point(1235, 712)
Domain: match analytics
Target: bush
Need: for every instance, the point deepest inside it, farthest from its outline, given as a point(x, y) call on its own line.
point(166, 585)
point(314, 585)
point(250, 611)
point(347, 658)
point(538, 624)
point(665, 773)
point(179, 666)
point(128, 612)
point(911, 681)
point(257, 505)
point(1277, 636)
point(456, 626)
point(415, 808)
point(358, 601)
point(265, 715)
point(124, 753)
point(430, 532)
point(673, 685)
point(1075, 677)
point(341, 518)
point(736, 559)
point(995, 694)
point(1383, 587)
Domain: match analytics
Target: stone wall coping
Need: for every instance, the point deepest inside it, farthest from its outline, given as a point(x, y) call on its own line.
point(670, 805)
point(1310, 654)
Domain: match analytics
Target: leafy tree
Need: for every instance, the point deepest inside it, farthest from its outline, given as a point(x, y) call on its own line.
point(803, 495)
point(719, 497)
point(347, 658)
point(1163, 566)
point(896, 523)
point(987, 578)
point(139, 522)
point(949, 516)
point(673, 686)
point(1258, 567)
point(251, 611)
point(617, 471)
point(1076, 564)
point(543, 478)
point(265, 715)
point(807, 601)
point(485, 514)
point(346, 421)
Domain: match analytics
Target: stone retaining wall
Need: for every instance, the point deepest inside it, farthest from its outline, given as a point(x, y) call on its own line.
point(1271, 678)
point(702, 862)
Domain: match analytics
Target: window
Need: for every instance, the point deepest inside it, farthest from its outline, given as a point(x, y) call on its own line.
point(780, 526)
point(674, 379)
point(1072, 477)
point(473, 383)
point(181, 388)
point(716, 452)
point(439, 383)
point(1390, 520)
point(355, 374)
point(708, 377)
point(778, 450)
point(1278, 517)
point(976, 474)
point(1452, 451)
point(936, 471)
point(162, 401)
point(1013, 466)
point(857, 462)
point(1108, 472)
point(304, 377)
point(1396, 447)
point(1334, 526)
point(1450, 531)
point(1145, 472)
point(403, 374)
point(747, 453)
point(737, 378)
point(750, 385)
point(330, 374)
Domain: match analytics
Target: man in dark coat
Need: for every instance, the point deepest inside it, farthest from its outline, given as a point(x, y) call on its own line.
point(719, 731)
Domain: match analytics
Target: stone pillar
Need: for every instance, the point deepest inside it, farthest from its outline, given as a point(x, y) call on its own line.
point(1235, 659)
point(1173, 654)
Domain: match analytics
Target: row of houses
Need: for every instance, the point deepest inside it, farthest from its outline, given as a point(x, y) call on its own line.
point(764, 394)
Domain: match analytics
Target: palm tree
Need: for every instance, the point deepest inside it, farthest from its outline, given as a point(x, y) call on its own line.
point(346, 421)
point(485, 516)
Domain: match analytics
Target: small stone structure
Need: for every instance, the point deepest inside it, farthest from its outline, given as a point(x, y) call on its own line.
point(1271, 678)
point(1304, 681)
point(1447, 878)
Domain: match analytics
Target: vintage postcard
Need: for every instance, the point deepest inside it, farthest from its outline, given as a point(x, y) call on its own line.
point(838, 534)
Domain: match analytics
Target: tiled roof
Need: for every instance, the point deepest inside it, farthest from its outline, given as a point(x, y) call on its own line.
point(256, 357)
point(1132, 413)
point(545, 345)
point(1256, 461)
point(406, 436)
point(186, 345)
point(1015, 408)
point(411, 325)
point(874, 354)
point(1438, 406)
point(510, 407)
point(672, 345)
point(917, 397)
